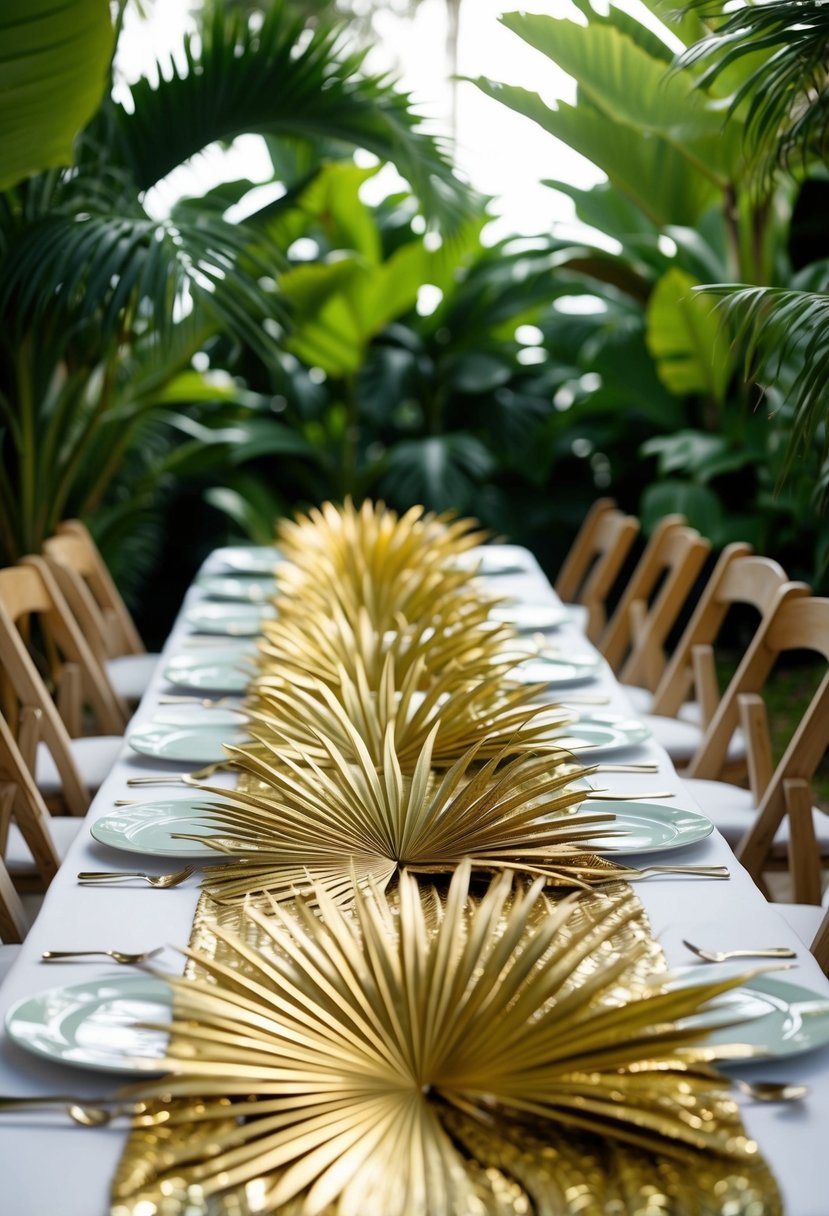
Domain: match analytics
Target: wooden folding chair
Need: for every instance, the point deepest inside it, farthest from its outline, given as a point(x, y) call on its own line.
point(634, 641)
point(594, 561)
point(773, 819)
point(739, 580)
point(86, 585)
point(65, 768)
point(83, 555)
point(31, 841)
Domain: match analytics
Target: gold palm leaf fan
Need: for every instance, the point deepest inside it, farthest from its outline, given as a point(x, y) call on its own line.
point(321, 646)
point(466, 713)
point(377, 1064)
point(302, 822)
point(375, 560)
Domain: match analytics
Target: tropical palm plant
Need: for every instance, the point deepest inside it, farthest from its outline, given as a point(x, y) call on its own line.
point(783, 106)
point(92, 284)
point(689, 203)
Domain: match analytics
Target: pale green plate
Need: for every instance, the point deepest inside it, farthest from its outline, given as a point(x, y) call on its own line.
point(94, 1025)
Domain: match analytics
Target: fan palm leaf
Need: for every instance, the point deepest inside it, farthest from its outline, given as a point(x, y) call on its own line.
point(784, 98)
point(370, 559)
point(274, 77)
point(365, 1051)
point(480, 713)
point(308, 822)
point(302, 651)
point(780, 327)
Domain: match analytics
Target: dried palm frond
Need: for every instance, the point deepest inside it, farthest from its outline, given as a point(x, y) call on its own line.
point(323, 647)
point(315, 822)
point(293, 716)
point(371, 1056)
point(374, 560)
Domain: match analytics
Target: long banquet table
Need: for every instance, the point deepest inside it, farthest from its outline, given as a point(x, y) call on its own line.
point(50, 1167)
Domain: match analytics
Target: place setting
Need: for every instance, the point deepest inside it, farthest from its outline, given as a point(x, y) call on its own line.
point(219, 669)
point(257, 560)
point(238, 589)
point(228, 619)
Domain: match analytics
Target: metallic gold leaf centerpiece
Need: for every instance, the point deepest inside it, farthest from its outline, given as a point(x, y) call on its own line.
point(369, 559)
point(383, 1064)
point(309, 823)
point(465, 713)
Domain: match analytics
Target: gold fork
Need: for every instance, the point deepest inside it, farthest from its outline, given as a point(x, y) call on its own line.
point(608, 796)
point(204, 702)
point(118, 956)
point(162, 881)
point(697, 871)
point(194, 778)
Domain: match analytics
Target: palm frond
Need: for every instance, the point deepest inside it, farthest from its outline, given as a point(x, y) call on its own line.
point(467, 646)
point(783, 329)
point(123, 272)
point(785, 97)
point(278, 77)
point(480, 713)
point(309, 823)
point(367, 1056)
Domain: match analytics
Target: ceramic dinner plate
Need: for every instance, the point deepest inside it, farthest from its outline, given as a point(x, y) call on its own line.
point(597, 736)
point(489, 561)
point(94, 1024)
point(223, 670)
point(779, 1017)
point(198, 715)
point(564, 672)
point(229, 619)
point(531, 618)
point(256, 590)
point(250, 559)
point(190, 744)
point(644, 827)
point(151, 827)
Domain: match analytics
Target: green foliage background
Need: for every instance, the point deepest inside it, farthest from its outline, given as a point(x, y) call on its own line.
point(221, 372)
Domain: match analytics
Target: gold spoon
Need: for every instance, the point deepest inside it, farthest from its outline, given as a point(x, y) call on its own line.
point(87, 1114)
point(772, 1091)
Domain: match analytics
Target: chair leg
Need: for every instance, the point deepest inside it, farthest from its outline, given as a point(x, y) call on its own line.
point(755, 723)
point(69, 699)
point(820, 946)
point(13, 924)
point(804, 854)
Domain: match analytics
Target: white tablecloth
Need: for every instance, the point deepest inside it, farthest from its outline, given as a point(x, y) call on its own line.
point(50, 1167)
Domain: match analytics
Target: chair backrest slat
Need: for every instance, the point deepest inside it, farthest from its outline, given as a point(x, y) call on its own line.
point(594, 561)
point(28, 590)
point(739, 579)
point(634, 641)
point(74, 549)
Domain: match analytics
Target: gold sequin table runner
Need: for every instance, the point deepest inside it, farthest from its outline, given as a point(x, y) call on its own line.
point(517, 1172)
